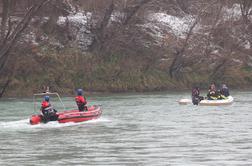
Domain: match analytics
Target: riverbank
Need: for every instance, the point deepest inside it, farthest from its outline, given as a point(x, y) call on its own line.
point(68, 70)
point(72, 92)
point(131, 48)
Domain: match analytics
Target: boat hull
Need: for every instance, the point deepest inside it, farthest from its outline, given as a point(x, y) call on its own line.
point(227, 101)
point(75, 116)
point(80, 116)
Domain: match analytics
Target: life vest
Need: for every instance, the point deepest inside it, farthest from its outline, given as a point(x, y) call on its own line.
point(45, 104)
point(223, 97)
point(80, 100)
point(213, 98)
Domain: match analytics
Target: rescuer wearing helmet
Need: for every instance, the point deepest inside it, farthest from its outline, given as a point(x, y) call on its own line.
point(47, 110)
point(81, 100)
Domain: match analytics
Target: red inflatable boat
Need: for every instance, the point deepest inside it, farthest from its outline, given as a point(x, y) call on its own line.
point(93, 112)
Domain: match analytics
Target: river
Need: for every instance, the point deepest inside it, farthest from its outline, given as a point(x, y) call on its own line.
point(134, 129)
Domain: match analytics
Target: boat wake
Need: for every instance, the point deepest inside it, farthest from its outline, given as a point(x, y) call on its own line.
point(25, 125)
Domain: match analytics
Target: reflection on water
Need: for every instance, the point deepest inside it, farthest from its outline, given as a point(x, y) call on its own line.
point(135, 129)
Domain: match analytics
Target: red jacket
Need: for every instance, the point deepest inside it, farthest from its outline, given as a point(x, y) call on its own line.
point(45, 104)
point(80, 100)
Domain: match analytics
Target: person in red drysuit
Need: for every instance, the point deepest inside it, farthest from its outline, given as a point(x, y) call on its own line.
point(47, 110)
point(81, 101)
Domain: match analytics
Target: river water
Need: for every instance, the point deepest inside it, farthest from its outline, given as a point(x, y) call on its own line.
point(134, 129)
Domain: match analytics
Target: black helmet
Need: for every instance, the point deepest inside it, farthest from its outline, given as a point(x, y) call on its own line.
point(79, 92)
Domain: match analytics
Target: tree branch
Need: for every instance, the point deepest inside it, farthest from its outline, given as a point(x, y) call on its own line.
point(12, 38)
point(131, 12)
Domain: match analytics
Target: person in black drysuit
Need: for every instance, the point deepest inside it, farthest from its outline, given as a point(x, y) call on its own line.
point(224, 91)
point(213, 94)
point(196, 98)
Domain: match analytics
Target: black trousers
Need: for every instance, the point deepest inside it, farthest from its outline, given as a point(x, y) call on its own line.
point(49, 115)
point(82, 107)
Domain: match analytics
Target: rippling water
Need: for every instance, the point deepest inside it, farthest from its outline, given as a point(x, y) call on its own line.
point(134, 129)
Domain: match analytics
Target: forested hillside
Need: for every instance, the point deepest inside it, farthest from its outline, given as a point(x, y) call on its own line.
point(124, 45)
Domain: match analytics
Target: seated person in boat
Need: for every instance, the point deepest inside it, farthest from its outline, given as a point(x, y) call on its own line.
point(224, 91)
point(196, 98)
point(47, 110)
point(81, 101)
point(213, 93)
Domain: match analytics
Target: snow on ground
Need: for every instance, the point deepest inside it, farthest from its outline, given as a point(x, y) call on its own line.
point(29, 38)
point(79, 26)
point(233, 13)
point(117, 16)
point(153, 30)
point(247, 44)
point(78, 19)
point(176, 25)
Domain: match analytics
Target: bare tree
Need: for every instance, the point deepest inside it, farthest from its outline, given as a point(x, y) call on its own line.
point(178, 62)
point(246, 9)
point(57, 8)
point(5, 16)
point(183, 5)
point(11, 38)
point(132, 10)
point(100, 29)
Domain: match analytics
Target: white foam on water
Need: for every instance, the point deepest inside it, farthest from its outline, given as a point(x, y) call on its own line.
point(25, 125)
point(102, 119)
point(12, 124)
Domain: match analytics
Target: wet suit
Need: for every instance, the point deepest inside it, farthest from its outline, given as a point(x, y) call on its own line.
point(213, 95)
point(224, 92)
point(196, 98)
